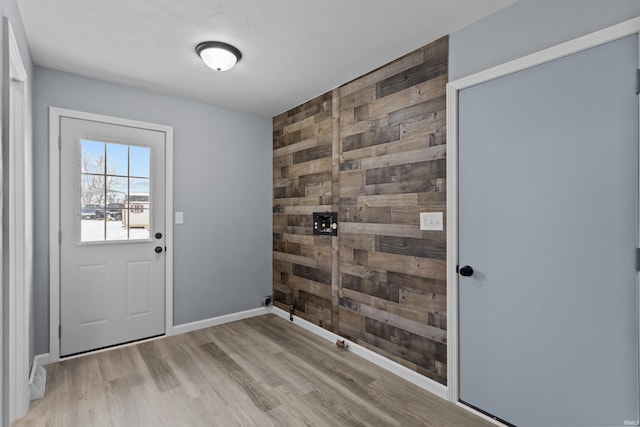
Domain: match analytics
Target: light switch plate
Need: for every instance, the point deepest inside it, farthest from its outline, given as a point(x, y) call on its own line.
point(431, 221)
point(179, 217)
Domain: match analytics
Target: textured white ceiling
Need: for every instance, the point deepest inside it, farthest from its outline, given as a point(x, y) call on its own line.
point(293, 50)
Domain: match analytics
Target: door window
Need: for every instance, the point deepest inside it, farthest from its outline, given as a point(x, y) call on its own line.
point(115, 203)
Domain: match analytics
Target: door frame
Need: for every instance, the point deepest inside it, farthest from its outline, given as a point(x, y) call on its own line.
point(588, 41)
point(18, 235)
point(55, 116)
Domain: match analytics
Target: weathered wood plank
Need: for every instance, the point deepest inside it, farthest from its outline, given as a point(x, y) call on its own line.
point(422, 128)
point(309, 286)
point(321, 130)
point(287, 247)
point(404, 324)
point(351, 324)
point(433, 303)
point(384, 134)
point(359, 303)
point(297, 238)
point(284, 182)
point(402, 356)
point(298, 126)
point(288, 138)
point(295, 259)
point(321, 316)
point(310, 154)
point(357, 241)
point(411, 215)
point(293, 148)
point(399, 230)
point(313, 274)
point(408, 142)
point(422, 267)
point(289, 192)
point(422, 171)
point(381, 215)
point(360, 96)
point(281, 164)
point(420, 111)
point(309, 108)
point(354, 178)
point(415, 283)
point(388, 355)
point(299, 201)
point(404, 63)
point(304, 299)
point(299, 220)
point(407, 96)
point(314, 178)
point(434, 248)
point(322, 255)
point(350, 129)
point(419, 350)
point(373, 288)
point(411, 313)
point(311, 167)
point(389, 200)
point(428, 70)
point(303, 210)
point(405, 158)
point(394, 188)
point(282, 266)
point(364, 272)
point(321, 189)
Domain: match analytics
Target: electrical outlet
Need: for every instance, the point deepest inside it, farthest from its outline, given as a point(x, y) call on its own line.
point(431, 221)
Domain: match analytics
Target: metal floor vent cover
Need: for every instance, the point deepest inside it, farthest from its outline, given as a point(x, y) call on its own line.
point(37, 381)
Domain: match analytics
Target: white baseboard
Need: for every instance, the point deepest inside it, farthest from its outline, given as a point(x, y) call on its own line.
point(220, 320)
point(480, 414)
point(43, 359)
point(373, 357)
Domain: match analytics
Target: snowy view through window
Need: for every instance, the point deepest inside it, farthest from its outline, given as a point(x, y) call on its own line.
point(114, 196)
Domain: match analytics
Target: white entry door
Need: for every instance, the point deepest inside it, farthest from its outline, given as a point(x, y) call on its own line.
point(112, 262)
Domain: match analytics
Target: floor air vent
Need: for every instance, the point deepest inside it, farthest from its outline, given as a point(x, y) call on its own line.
point(37, 381)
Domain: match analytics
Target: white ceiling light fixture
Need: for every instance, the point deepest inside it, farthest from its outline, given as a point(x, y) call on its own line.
point(218, 55)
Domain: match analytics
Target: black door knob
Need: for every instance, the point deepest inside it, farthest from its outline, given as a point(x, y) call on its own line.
point(466, 271)
point(158, 235)
point(158, 249)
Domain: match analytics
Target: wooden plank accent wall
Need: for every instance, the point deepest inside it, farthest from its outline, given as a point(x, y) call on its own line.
point(392, 275)
point(379, 163)
point(303, 180)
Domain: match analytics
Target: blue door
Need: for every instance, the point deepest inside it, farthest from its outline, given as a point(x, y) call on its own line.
point(548, 223)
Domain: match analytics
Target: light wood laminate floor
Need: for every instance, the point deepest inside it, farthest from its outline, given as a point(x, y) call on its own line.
point(262, 371)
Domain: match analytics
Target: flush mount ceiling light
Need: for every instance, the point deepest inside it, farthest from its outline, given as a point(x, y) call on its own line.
point(218, 55)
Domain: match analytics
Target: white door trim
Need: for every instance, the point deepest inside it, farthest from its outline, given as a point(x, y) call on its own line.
point(17, 259)
point(597, 38)
point(55, 115)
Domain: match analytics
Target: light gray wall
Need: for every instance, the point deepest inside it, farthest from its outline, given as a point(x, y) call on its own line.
point(9, 8)
point(529, 26)
point(222, 183)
